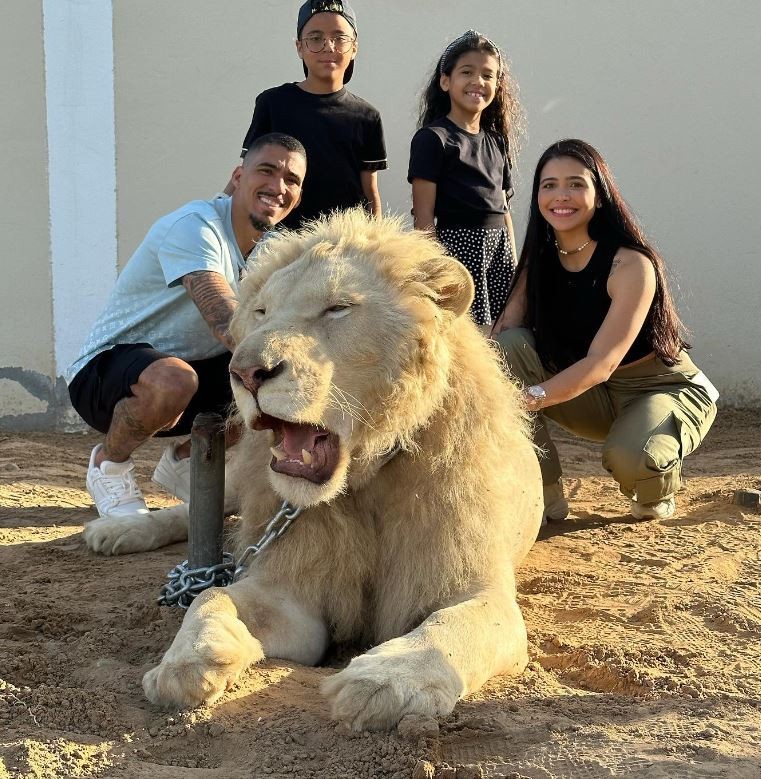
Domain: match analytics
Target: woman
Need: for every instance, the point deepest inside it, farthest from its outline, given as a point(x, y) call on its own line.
point(592, 330)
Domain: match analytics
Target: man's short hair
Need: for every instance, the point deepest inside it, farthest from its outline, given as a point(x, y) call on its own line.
point(276, 139)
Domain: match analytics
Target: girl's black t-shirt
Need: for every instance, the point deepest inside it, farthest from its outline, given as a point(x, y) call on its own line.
point(471, 171)
point(342, 135)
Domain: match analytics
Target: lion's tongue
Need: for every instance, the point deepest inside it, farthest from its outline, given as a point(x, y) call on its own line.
point(298, 437)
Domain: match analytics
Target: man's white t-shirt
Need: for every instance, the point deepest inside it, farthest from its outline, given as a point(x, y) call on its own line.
point(149, 303)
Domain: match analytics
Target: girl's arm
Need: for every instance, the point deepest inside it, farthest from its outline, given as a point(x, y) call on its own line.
point(631, 286)
point(514, 314)
point(369, 181)
point(511, 233)
point(423, 203)
point(500, 324)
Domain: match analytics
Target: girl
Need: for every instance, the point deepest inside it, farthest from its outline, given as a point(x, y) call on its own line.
point(460, 166)
point(592, 328)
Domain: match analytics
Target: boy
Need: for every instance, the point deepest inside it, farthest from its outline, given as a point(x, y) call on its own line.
point(342, 133)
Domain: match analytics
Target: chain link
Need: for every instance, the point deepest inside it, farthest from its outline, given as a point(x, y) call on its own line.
point(185, 584)
point(275, 528)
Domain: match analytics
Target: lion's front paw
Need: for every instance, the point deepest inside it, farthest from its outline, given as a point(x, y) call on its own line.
point(204, 660)
point(119, 535)
point(377, 689)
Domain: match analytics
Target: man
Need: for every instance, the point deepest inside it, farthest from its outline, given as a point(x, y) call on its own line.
point(159, 353)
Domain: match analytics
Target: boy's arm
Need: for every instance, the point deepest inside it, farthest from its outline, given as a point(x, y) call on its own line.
point(372, 159)
point(369, 179)
point(229, 187)
point(261, 124)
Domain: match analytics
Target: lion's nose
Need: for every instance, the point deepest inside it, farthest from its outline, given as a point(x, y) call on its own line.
point(253, 376)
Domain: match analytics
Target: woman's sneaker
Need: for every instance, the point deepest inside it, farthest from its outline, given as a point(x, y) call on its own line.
point(555, 504)
point(661, 509)
point(173, 474)
point(113, 487)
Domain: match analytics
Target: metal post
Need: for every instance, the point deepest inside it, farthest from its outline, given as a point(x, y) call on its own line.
point(207, 491)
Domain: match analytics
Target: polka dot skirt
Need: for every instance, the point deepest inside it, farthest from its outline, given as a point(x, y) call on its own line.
point(487, 254)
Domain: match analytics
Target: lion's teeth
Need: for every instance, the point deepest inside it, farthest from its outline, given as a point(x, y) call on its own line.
point(306, 457)
point(278, 454)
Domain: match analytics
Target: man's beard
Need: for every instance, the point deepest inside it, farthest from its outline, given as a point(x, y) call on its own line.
point(257, 224)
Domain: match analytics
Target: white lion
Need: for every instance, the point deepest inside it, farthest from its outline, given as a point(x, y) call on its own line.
point(354, 342)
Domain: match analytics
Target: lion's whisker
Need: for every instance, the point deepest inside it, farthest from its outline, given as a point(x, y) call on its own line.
point(355, 411)
point(357, 401)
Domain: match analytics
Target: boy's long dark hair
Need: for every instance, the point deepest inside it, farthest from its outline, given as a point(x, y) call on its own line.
point(613, 222)
point(502, 116)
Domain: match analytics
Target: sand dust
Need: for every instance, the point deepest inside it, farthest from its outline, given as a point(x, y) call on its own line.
point(645, 639)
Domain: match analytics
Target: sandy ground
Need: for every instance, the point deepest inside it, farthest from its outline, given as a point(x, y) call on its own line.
point(645, 639)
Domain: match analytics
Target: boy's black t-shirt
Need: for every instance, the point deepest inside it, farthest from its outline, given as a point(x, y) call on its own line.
point(342, 135)
point(471, 171)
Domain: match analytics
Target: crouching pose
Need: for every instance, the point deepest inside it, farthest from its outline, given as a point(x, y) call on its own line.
point(371, 400)
point(591, 329)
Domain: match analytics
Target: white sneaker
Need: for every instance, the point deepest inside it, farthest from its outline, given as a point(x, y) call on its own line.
point(113, 487)
point(555, 504)
point(662, 509)
point(173, 474)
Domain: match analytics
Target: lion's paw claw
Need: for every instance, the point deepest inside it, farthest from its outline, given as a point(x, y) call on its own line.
point(204, 661)
point(374, 692)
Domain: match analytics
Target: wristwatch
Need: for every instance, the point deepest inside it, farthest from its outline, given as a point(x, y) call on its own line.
point(537, 392)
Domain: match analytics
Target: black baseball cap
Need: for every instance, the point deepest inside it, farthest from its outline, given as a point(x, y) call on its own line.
point(312, 7)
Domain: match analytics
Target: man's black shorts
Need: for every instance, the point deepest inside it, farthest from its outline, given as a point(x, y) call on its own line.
point(109, 377)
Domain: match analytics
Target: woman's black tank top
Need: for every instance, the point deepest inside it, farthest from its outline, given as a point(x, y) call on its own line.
point(580, 304)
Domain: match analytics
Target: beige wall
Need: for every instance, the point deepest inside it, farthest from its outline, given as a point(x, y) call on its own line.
point(26, 336)
point(667, 91)
point(665, 88)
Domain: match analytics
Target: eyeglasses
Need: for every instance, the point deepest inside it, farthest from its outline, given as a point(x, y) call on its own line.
point(316, 42)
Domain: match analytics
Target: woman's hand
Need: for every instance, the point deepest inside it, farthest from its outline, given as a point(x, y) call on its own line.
point(535, 397)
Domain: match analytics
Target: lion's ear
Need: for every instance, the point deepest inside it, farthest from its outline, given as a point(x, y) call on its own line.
point(452, 284)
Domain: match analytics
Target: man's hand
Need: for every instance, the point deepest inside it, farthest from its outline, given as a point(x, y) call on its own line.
point(216, 301)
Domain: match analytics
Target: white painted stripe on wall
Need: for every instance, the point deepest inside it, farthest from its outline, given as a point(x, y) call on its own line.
point(79, 90)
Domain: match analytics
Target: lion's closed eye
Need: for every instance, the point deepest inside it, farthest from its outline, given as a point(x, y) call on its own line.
point(338, 310)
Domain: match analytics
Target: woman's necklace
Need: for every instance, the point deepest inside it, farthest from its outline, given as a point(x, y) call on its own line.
point(572, 251)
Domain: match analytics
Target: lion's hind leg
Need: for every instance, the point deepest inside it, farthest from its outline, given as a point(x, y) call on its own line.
point(451, 654)
point(225, 631)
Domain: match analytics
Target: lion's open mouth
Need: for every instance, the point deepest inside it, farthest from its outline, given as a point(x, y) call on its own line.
point(306, 451)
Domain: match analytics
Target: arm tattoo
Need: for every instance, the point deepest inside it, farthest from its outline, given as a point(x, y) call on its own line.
point(616, 263)
point(215, 300)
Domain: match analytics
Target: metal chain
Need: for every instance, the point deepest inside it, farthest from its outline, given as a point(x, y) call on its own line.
point(275, 528)
point(185, 584)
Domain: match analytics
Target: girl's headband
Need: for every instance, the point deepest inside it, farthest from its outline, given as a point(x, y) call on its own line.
point(469, 35)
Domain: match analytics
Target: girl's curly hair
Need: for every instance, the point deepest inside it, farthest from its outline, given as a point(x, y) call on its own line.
point(503, 115)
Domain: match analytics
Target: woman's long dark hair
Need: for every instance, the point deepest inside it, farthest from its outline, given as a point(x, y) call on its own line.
point(613, 222)
point(502, 116)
